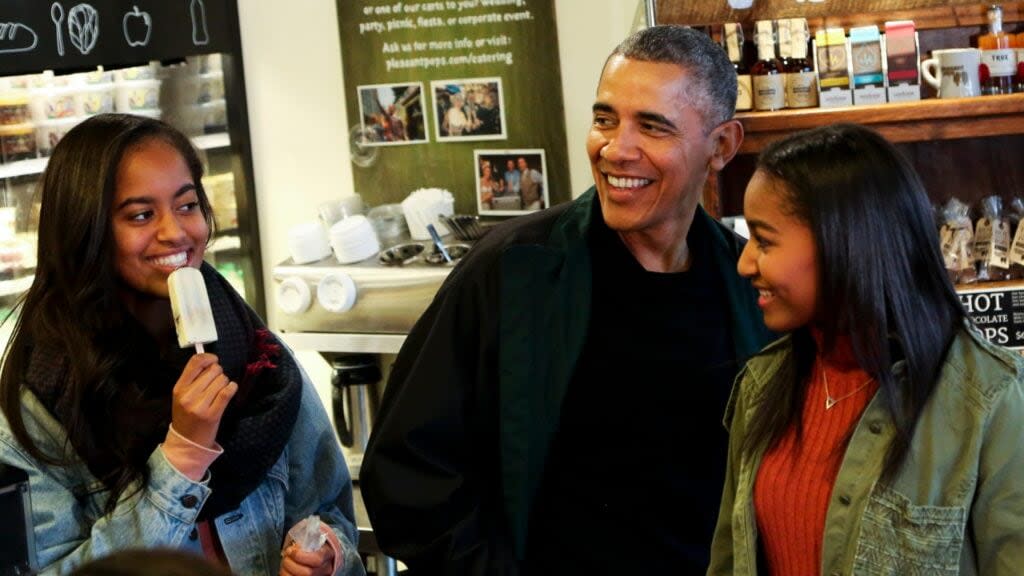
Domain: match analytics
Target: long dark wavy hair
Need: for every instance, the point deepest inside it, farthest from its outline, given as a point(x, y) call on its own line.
point(881, 276)
point(73, 305)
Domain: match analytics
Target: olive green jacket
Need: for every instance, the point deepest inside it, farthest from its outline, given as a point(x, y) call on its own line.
point(955, 507)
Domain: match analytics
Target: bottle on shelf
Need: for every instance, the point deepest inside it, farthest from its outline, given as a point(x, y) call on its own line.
point(733, 34)
point(768, 78)
point(784, 43)
point(801, 80)
point(998, 56)
point(1019, 85)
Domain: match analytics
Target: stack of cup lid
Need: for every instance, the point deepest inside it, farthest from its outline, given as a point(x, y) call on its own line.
point(354, 239)
point(307, 242)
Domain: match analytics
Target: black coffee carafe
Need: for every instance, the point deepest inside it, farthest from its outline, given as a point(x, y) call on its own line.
point(354, 397)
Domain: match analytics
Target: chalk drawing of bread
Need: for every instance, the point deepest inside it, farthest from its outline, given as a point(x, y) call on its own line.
point(16, 37)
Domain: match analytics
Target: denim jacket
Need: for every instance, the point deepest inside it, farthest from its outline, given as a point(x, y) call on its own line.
point(311, 477)
point(955, 507)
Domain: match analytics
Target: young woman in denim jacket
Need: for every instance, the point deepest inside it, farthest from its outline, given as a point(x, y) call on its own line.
point(130, 441)
point(883, 434)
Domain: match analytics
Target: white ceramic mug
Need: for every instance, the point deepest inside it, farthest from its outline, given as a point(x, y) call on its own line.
point(953, 72)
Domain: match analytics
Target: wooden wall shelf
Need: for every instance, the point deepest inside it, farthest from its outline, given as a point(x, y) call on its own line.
point(926, 120)
point(926, 14)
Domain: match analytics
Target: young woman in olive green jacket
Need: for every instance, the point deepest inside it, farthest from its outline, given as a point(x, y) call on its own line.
point(882, 435)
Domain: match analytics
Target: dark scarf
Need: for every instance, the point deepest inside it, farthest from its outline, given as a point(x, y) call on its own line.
point(256, 425)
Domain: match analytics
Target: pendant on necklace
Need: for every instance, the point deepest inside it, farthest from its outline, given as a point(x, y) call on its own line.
point(830, 401)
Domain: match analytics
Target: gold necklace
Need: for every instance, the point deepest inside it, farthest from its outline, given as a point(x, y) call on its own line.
point(830, 401)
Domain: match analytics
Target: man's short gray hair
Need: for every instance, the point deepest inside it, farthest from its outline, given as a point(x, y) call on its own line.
point(713, 87)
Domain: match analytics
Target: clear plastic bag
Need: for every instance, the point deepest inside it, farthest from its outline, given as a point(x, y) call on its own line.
point(992, 241)
point(957, 239)
point(307, 534)
point(1015, 213)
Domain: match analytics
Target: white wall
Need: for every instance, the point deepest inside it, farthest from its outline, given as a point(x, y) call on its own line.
point(298, 127)
point(297, 115)
point(587, 31)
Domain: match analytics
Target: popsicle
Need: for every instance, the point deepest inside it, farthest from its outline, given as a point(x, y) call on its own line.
point(190, 304)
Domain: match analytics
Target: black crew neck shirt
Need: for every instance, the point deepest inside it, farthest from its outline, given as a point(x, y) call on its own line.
point(635, 474)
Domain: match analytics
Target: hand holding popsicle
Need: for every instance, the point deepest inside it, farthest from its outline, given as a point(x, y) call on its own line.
point(200, 397)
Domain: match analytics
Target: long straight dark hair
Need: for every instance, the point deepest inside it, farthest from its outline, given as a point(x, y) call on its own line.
point(882, 280)
point(73, 305)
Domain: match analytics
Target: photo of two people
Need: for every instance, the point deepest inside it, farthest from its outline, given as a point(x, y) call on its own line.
point(392, 114)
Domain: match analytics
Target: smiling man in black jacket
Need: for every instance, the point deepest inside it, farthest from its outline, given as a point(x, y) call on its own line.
point(557, 409)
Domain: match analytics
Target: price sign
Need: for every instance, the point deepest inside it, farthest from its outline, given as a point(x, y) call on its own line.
point(998, 313)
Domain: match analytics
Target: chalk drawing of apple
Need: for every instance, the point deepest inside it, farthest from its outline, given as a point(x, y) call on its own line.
point(137, 27)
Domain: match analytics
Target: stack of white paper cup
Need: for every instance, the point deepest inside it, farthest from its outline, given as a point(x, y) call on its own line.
point(422, 207)
point(307, 242)
point(354, 239)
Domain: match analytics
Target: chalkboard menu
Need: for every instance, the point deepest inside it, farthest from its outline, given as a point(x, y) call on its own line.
point(69, 36)
point(998, 313)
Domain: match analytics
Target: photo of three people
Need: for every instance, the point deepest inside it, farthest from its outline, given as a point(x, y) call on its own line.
point(469, 109)
point(511, 181)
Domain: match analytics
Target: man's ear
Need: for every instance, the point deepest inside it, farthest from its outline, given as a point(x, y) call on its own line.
point(727, 138)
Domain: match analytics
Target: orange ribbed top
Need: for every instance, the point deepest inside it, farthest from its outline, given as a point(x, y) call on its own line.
point(794, 482)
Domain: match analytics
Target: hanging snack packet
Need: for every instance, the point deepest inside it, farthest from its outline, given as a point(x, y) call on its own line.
point(957, 237)
point(1015, 215)
point(992, 241)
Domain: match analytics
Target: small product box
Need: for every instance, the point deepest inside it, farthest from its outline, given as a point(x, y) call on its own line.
point(830, 58)
point(902, 56)
point(866, 61)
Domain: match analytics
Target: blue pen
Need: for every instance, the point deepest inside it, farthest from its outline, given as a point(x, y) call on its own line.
point(437, 242)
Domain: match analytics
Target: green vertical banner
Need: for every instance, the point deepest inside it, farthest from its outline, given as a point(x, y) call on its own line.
point(462, 95)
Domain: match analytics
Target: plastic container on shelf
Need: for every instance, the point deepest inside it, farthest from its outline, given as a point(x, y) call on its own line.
point(388, 221)
point(215, 116)
point(52, 102)
point(18, 142)
point(47, 79)
point(94, 99)
point(211, 87)
point(98, 76)
point(135, 95)
point(146, 72)
point(220, 189)
point(15, 83)
point(49, 132)
point(14, 109)
point(210, 63)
